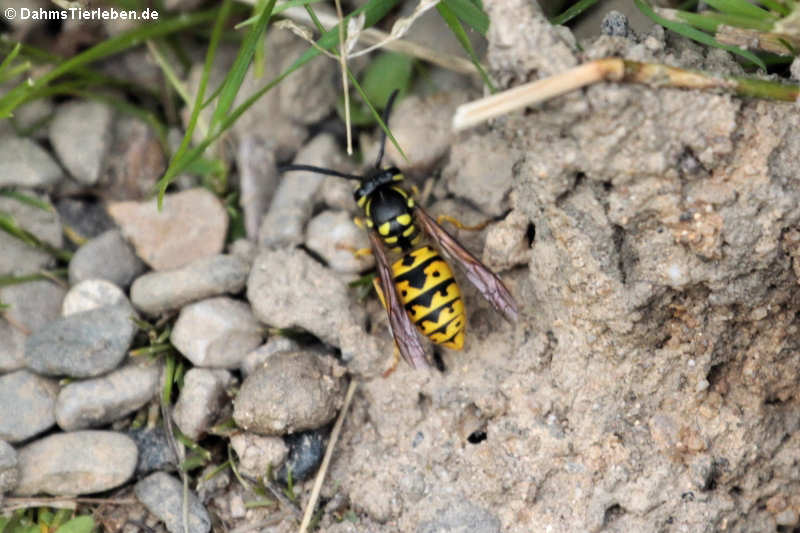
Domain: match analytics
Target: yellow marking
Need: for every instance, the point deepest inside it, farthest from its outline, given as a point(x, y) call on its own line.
point(408, 231)
point(384, 228)
point(410, 202)
point(457, 343)
point(367, 207)
point(390, 240)
point(404, 219)
point(362, 201)
point(369, 223)
point(397, 177)
point(396, 249)
point(416, 239)
point(400, 191)
point(449, 314)
point(358, 222)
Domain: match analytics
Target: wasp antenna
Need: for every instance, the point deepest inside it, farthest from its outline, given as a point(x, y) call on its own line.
point(320, 170)
point(386, 111)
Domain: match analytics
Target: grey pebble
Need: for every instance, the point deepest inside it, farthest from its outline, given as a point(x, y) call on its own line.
point(31, 305)
point(18, 257)
point(260, 355)
point(294, 199)
point(12, 347)
point(81, 462)
point(615, 24)
point(23, 163)
point(107, 256)
point(9, 473)
point(82, 345)
point(257, 454)
point(27, 405)
point(287, 288)
point(461, 516)
point(81, 133)
point(155, 452)
point(162, 494)
point(156, 292)
point(293, 391)
point(258, 178)
point(431, 115)
point(201, 399)
point(87, 217)
point(217, 332)
point(329, 232)
point(98, 401)
point(92, 294)
point(305, 454)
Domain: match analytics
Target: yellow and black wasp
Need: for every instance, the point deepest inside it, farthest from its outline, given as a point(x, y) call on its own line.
point(418, 289)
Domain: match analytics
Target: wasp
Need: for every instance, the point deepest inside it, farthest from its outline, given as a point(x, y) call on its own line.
point(418, 290)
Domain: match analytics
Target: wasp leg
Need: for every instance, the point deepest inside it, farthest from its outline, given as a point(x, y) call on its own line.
point(396, 351)
point(358, 252)
point(457, 223)
point(395, 360)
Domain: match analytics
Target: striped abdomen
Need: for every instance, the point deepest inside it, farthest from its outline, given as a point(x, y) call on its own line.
point(430, 294)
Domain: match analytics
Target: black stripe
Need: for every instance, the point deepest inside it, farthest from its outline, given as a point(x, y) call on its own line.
point(426, 298)
point(442, 329)
point(416, 276)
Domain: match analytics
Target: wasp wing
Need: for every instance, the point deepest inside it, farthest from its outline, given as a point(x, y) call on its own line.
point(403, 330)
point(486, 281)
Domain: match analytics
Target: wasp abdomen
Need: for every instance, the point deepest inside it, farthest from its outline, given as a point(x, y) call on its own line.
point(431, 296)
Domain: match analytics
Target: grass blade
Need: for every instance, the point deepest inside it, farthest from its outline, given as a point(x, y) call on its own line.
point(450, 18)
point(742, 8)
point(469, 13)
point(695, 34)
point(112, 46)
point(374, 10)
point(573, 11)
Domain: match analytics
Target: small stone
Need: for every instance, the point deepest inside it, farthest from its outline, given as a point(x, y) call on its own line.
point(107, 257)
point(480, 170)
point(294, 200)
point(135, 162)
point(167, 290)
point(462, 515)
point(99, 401)
point(12, 347)
point(217, 332)
point(81, 134)
point(507, 243)
point(33, 116)
point(23, 163)
point(192, 224)
point(305, 455)
point(87, 217)
point(34, 304)
point(287, 288)
point(27, 405)
point(794, 69)
point(787, 517)
point(155, 452)
point(163, 495)
point(19, 258)
point(260, 355)
point(202, 398)
point(258, 454)
point(82, 345)
point(9, 473)
point(258, 179)
point(615, 24)
point(334, 236)
point(422, 128)
point(92, 294)
point(293, 391)
point(81, 462)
